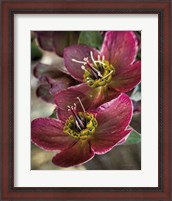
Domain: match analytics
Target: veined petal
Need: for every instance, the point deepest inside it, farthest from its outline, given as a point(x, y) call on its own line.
point(104, 143)
point(76, 155)
point(91, 98)
point(47, 133)
point(77, 52)
point(68, 97)
point(114, 115)
point(120, 49)
point(129, 79)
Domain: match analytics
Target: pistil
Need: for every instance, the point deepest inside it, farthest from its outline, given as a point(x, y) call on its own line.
point(80, 125)
point(97, 72)
point(79, 122)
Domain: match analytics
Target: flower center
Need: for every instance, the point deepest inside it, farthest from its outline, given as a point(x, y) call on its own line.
point(98, 73)
point(80, 125)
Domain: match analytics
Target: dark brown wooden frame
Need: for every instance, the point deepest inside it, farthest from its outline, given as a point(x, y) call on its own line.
point(11, 7)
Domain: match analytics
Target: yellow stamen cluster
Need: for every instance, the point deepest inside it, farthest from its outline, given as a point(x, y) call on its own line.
point(107, 71)
point(83, 134)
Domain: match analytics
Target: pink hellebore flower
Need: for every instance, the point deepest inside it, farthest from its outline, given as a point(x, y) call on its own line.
point(111, 70)
point(81, 134)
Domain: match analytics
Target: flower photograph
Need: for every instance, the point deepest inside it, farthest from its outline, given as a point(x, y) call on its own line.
point(86, 100)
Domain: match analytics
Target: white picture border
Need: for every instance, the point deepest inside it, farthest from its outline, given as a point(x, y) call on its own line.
point(148, 175)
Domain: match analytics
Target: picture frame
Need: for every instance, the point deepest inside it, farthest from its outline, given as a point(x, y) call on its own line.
point(12, 7)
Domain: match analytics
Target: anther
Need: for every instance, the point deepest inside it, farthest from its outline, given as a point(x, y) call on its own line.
point(83, 68)
point(85, 59)
point(74, 106)
point(88, 81)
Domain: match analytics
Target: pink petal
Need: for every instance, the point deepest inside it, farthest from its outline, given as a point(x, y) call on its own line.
point(77, 52)
point(107, 141)
point(114, 116)
point(78, 154)
point(48, 134)
point(121, 141)
point(129, 79)
point(120, 49)
point(91, 98)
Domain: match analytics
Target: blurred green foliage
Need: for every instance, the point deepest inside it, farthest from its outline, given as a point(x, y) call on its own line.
point(133, 138)
point(91, 38)
point(35, 52)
